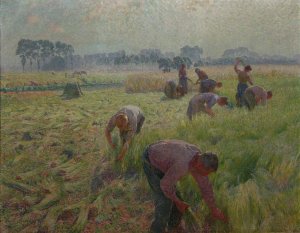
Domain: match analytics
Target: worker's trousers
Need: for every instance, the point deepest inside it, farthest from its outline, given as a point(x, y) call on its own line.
point(249, 99)
point(166, 213)
point(241, 88)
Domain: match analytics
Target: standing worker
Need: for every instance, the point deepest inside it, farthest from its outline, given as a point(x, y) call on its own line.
point(165, 163)
point(206, 84)
point(183, 78)
point(204, 103)
point(243, 78)
point(129, 120)
point(256, 95)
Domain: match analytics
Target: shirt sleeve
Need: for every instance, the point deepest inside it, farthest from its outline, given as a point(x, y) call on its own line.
point(130, 133)
point(264, 98)
point(168, 182)
point(211, 101)
point(132, 127)
point(206, 189)
point(111, 124)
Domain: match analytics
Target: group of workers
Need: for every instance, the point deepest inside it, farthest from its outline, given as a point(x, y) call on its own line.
point(203, 102)
point(165, 162)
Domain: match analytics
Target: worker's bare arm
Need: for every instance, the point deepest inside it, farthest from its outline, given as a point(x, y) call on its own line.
point(237, 62)
point(124, 150)
point(209, 111)
point(108, 138)
point(168, 186)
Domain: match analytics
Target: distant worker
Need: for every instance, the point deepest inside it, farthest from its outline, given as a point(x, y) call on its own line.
point(129, 120)
point(206, 84)
point(165, 163)
point(256, 95)
point(172, 90)
point(243, 78)
point(201, 74)
point(204, 102)
point(183, 78)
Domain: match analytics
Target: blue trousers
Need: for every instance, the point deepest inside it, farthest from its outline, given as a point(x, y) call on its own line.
point(240, 92)
point(184, 84)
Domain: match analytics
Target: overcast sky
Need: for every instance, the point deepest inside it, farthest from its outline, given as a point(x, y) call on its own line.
point(92, 26)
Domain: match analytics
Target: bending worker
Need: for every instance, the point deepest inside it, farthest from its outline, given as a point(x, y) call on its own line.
point(172, 90)
point(204, 103)
point(206, 84)
point(129, 120)
point(166, 162)
point(256, 95)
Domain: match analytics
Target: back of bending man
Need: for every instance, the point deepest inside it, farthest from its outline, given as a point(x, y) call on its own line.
point(256, 95)
point(204, 103)
point(206, 84)
point(129, 120)
point(165, 163)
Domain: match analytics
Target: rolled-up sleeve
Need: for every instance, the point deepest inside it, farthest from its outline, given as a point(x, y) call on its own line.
point(211, 101)
point(111, 124)
point(206, 189)
point(264, 97)
point(168, 182)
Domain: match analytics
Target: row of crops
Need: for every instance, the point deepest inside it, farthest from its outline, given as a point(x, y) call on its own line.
point(59, 86)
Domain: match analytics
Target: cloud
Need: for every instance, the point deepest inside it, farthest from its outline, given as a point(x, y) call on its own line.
point(55, 28)
point(33, 19)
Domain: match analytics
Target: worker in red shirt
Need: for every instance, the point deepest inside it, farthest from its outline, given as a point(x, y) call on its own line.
point(166, 162)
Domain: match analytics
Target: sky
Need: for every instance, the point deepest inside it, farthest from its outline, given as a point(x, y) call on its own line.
point(94, 26)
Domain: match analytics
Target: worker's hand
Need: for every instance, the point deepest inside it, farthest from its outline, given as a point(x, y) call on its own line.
point(218, 214)
point(123, 151)
point(182, 206)
point(119, 158)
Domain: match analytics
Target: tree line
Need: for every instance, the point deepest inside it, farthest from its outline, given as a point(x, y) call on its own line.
point(45, 53)
point(60, 56)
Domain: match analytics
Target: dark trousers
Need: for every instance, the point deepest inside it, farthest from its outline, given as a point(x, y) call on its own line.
point(184, 84)
point(240, 92)
point(249, 99)
point(140, 124)
point(166, 213)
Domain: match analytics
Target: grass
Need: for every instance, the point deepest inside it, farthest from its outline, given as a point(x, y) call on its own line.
point(257, 184)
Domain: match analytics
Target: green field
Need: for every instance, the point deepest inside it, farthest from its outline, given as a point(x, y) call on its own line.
point(53, 152)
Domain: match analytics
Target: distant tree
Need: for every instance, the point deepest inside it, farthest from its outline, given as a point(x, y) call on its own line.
point(150, 55)
point(64, 51)
point(177, 61)
point(31, 52)
point(134, 59)
point(60, 49)
point(37, 52)
point(21, 51)
point(56, 63)
point(69, 51)
point(187, 61)
point(47, 49)
point(198, 63)
point(194, 53)
point(164, 63)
